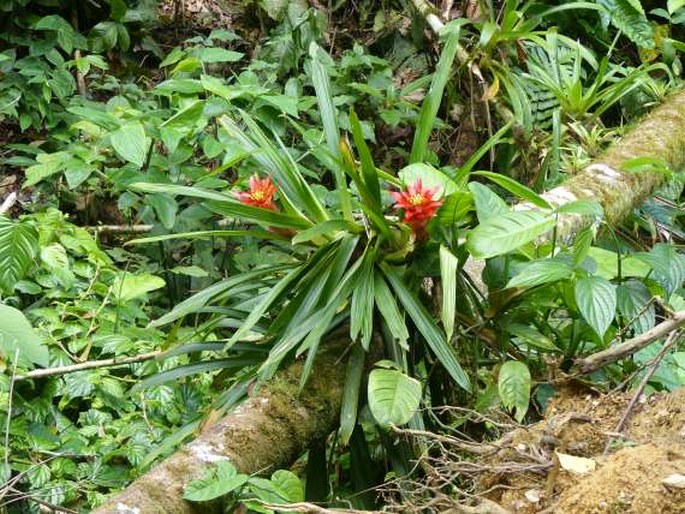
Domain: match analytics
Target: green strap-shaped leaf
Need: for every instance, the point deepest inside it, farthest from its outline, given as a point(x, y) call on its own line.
point(448, 274)
point(427, 327)
point(433, 99)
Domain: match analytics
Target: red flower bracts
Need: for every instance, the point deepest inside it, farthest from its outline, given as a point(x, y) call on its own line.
point(261, 193)
point(419, 205)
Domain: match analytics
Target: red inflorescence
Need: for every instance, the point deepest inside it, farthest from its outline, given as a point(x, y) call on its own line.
point(419, 205)
point(260, 194)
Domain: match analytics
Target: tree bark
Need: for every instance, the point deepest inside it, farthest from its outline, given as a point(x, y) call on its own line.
point(659, 136)
point(268, 431)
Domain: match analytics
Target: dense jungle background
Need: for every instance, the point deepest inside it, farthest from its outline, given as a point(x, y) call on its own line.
point(342, 256)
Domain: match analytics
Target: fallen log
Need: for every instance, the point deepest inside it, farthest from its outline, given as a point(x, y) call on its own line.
point(268, 431)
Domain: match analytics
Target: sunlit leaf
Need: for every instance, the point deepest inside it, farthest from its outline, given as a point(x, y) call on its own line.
point(596, 300)
point(514, 387)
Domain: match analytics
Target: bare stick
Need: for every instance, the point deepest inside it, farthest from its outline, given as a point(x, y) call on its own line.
point(600, 359)
point(121, 229)
point(8, 203)
point(105, 363)
point(673, 338)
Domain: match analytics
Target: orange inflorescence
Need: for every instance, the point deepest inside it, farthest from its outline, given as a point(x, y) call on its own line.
point(419, 205)
point(261, 193)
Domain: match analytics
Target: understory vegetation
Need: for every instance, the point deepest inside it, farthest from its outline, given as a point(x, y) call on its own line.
point(191, 200)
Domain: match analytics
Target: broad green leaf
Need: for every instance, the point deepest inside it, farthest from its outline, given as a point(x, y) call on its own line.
point(589, 208)
point(393, 396)
point(543, 272)
point(668, 265)
point(488, 204)
point(507, 232)
point(165, 207)
point(607, 264)
point(47, 164)
point(131, 143)
point(18, 249)
point(429, 176)
point(636, 306)
point(215, 54)
point(289, 484)
point(218, 482)
point(513, 386)
point(531, 337)
point(287, 104)
point(448, 275)
point(128, 286)
point(183, 86)
point(596, 300)
point(427, 327)
point(17, 337)
point(350, 401)
point(674, 5)
point(515, 188)
point(187, 117)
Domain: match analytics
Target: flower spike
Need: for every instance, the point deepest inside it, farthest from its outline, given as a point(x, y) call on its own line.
point(260, 194)
point(419, 205)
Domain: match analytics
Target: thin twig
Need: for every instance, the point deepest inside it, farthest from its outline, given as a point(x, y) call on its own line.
point(600, 359)
point(672, 339)
point(312, 507)
point(13, 379)
point(105, 363)
point(121, 229)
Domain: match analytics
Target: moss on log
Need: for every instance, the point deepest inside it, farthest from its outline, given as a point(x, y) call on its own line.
point(660, 135)
point(268, 431)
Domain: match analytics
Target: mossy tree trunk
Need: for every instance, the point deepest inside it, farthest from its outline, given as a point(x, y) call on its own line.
point(659, 136)
point(268, 431)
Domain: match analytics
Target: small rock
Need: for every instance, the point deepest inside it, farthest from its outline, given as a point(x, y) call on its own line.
point(674, 481)
point(533, 495)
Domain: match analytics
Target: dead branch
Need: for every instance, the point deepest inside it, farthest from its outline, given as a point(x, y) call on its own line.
point(121, 229)
point(600, 359)
point(673, 338)
point(104, 363)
